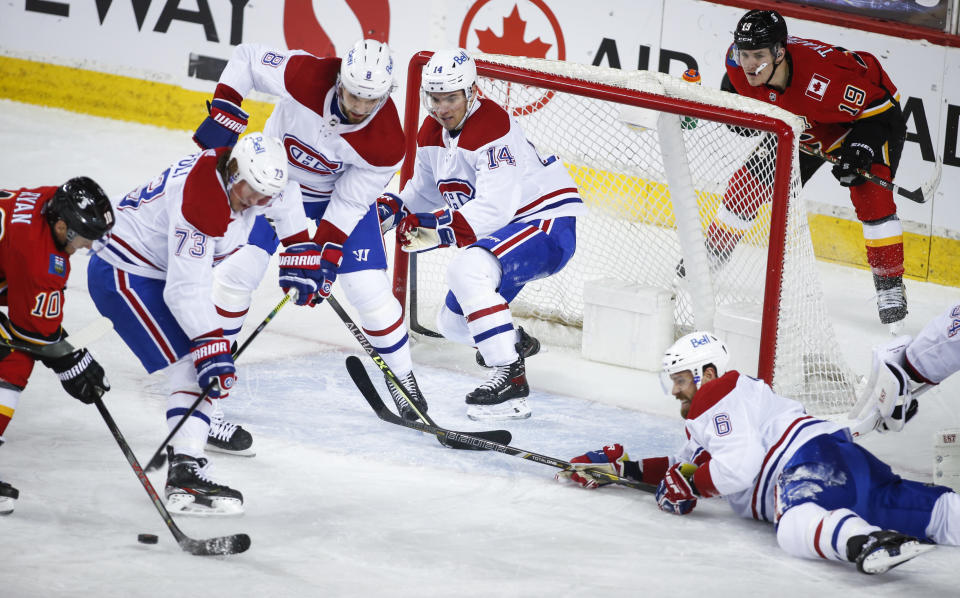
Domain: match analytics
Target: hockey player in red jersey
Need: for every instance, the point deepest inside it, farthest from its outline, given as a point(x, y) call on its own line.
point(344, 143)
point(828, 497)
point(41, 229)
point(851, 109)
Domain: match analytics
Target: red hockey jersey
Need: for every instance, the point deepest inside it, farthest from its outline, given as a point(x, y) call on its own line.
point(829, 87)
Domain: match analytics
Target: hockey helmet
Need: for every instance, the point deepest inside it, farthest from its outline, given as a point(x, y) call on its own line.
point(367, 70)
point(760, 29)
point(694, 352)
point(83, 206)
point(449, 70)
point(261, 161)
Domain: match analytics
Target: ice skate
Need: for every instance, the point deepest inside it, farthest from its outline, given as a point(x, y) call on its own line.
point(503, 396)
point(8, 498)
point(891, 301)
point(228, 438)
point(400, 398)
point(882, 550)
point(190, 491)
point(527, 346)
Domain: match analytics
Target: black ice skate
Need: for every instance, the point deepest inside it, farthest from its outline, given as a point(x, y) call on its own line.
point(8, 498)
point(232, 439)
point(190, 491)
point(891, 300)
point(503, 396)
point(527, 346)
point(882, 550)
point(400, 398)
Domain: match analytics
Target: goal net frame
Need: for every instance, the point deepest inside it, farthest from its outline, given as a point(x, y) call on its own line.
point(619, 86)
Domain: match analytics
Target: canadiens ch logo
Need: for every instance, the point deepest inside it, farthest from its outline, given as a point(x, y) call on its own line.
point(303, 156)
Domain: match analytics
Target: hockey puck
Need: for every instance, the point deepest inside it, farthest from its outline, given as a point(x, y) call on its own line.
point(147, 539)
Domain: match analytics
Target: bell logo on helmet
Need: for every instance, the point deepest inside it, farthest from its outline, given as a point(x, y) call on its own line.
point(699, 342)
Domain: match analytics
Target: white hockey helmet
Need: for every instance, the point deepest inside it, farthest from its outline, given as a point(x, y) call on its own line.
point(367, 70)
point(261, 161)
point(449, 70)
point(694, 352)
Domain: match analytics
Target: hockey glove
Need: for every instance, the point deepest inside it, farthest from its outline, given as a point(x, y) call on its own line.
point(224, 125)
point(676, 493)
point(391, 211)
point(853, 157)
point(81, 376)
point(214, 362)
point(306, 268)
point(426, 230)
point(609, 459)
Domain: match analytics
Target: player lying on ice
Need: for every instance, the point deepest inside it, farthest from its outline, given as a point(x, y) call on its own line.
point(478, 184)
point(828, 497)
point(153, 277)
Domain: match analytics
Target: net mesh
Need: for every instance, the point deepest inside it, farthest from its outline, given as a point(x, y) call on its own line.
point(613, 152)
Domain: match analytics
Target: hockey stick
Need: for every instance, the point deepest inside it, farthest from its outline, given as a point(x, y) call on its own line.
point(920, 194)
point(503, 435)
point(156, 461)
point(415, 325)
point(222, 545)
point(80, 339)
point(360, 377)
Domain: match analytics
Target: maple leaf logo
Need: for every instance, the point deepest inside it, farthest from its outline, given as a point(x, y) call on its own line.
point(512, 42)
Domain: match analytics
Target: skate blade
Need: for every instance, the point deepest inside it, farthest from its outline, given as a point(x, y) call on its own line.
point(881, 562)
point(6, 505)
point(185, 504)
point(249, 452)
point(497, 413)
point(896, 328)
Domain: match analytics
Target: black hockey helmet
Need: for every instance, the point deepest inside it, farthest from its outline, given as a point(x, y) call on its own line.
point(83, 205)
point(760, 29)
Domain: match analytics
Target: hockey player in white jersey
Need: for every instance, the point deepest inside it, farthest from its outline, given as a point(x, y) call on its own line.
point(152, 277)
point(828, 497)
point(479, 184)
point(344, 143)
point(903, 366)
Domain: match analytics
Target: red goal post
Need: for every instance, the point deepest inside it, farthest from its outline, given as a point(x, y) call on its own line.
point(633, 161)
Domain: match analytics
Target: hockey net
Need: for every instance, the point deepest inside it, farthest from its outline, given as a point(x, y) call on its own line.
point(652, 156)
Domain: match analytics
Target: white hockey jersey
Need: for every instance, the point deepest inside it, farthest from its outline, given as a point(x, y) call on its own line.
point(344, 164)
point(741, 434)
point(179, 225)
point(489, 173)
point(935, 352)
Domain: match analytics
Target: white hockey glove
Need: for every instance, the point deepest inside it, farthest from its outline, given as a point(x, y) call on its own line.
point(886, 403)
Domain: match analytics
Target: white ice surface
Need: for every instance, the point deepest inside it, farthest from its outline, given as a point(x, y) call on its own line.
point(339, 503)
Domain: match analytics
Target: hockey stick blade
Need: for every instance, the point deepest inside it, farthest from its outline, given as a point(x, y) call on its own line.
point(457, 440)
point(477, 440)
point(223, 545)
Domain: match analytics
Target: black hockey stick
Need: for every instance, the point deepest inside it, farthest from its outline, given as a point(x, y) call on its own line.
point(377, 359)
point(415, 324)
point(360, 377)
point(156, 461)
point(66, 346)
point(222, 545)
point(920, 194)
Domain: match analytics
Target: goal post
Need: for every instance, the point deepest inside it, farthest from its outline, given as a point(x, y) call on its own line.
point(653, 156)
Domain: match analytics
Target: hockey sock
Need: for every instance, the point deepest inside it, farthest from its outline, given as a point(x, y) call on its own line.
point(491, 326)
point(235, 279)
point(809, 531)
point(9, 397)
point(884, 243)
point(380, 316)
point(192, 436)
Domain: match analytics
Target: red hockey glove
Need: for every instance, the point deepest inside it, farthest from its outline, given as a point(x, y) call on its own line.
point(609, 459)
point(676, 493)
